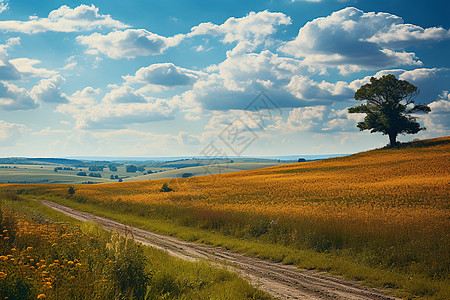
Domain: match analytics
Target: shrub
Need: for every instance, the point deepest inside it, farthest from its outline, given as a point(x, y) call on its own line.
point(71, 190)
point(165, 188)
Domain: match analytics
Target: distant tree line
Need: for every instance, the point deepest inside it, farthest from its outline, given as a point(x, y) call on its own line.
point(96, 168)
point(61, 168)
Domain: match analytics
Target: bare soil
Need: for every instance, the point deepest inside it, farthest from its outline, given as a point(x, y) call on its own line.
point(280, 281)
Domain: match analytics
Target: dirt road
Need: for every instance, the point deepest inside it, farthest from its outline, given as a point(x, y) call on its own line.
point(281, 281)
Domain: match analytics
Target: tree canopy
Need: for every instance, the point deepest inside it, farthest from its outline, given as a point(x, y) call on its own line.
point(388, 107)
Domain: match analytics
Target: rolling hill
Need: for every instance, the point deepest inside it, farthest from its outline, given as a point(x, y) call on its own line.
point(381, 216)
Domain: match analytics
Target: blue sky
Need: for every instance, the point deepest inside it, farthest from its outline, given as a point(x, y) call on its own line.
point(168, 78)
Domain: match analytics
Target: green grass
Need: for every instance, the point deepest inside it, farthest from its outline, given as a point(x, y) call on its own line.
point(170, 278)
point(336, 262)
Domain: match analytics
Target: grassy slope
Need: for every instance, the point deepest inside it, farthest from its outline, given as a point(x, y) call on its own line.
point(379, 216)
point(171, 278)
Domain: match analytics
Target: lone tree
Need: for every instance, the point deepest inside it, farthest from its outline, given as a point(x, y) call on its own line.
point(388, 108)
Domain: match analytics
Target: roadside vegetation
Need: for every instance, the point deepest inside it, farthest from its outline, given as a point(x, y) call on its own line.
point(45, 255)
point(379, 216)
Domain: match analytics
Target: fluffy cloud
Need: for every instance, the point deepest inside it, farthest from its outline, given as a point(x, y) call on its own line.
point(7, 70)
point(254, 27)
point(84, 98)
point(129, 43)
point(235, 82)
point(118, 109)
point(26, 67)
point(164, 74)
point(321, 119)
point(49, 90)
point(119, 115)
point(64, 19)
point(14, 98)
point(9, 133)
point(352, 40)
point(242, 120)
point(403, 35)
point(438, 120)
point(20, 67)
point(9, 44)
point(429, 80)
point(304, 88)
point(306, 118)
point(124, 94)
point(3, 6)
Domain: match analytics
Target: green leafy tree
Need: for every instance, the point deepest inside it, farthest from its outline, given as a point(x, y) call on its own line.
point(131, 169)
point(388, 108)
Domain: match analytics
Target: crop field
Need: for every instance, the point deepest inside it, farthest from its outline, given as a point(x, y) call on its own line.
point(67, 174)
point(385, 210)
point(41, 174)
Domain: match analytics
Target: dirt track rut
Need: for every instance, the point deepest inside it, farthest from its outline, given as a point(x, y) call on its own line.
point(281, 281)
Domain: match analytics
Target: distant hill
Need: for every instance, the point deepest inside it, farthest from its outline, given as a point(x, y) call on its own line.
point(43, 160)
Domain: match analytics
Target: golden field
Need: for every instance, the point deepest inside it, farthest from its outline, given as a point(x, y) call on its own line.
point(386, 208)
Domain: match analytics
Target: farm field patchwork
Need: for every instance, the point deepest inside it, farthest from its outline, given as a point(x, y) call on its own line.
point(70, 174)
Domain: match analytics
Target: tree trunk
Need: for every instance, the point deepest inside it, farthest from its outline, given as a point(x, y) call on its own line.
point(392, 139)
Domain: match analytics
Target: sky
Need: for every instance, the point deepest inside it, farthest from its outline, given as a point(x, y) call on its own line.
point(211, 78)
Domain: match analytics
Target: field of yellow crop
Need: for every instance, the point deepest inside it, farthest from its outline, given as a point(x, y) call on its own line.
point(387, 208)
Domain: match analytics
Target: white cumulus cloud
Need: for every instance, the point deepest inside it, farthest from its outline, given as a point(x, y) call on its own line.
point(117, 109)
point(430, 81)
point(7, 70)
point(3, 6)
point(13, 97)
point(49, 90)
point(351, 40)
point(128, 43)
point(254, 27)
point(164, 74)
point(438, 120)
point(235, 82)
point(26, 67)
point(321, 119)
point(64, 19)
